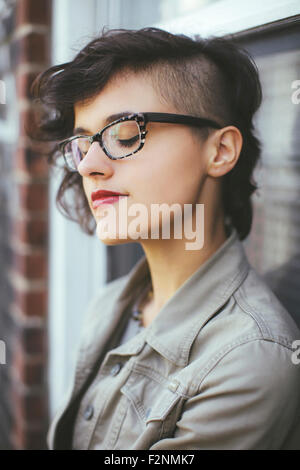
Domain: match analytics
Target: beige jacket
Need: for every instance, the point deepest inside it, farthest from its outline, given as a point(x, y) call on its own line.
point(214, 369)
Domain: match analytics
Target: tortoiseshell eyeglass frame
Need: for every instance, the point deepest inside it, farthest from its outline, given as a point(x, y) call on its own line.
point(142, 119)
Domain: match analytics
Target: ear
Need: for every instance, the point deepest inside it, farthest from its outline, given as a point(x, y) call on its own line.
point(225, 151)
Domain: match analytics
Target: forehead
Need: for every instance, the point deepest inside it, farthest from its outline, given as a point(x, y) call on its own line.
point(126, 92)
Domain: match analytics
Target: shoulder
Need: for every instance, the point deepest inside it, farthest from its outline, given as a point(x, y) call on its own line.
point(252, 334)
point(255, 299)
point(254, 311)
point(257, 362)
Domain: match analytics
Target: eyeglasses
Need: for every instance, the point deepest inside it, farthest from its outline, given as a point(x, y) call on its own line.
point(123, 137)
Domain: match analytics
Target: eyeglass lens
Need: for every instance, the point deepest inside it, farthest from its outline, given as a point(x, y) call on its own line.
point(121, 139)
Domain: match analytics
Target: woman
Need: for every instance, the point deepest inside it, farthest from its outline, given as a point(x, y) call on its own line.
point(191, 349)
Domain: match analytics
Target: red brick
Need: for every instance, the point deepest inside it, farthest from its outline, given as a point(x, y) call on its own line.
point(33, 196)
point(24, 82)
point(32, 162)
point(29, 370)
point(29, 406)
point(33, 232)
point(30, 413)
point(26, 439)
point(32, 304)
point(32, 339)
point(32, 48)
point(33, 11)
point(31, 266)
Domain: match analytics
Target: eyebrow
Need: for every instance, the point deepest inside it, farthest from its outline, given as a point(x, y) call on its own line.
point(108, 120)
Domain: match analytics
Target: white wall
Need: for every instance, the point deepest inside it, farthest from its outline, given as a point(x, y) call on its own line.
point(230, 16)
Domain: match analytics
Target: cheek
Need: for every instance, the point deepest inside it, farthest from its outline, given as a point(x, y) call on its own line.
point(85, 186)
point(87, 191)
point(172, 172)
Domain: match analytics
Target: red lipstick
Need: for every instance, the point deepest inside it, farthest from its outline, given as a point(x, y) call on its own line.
point(105, 197)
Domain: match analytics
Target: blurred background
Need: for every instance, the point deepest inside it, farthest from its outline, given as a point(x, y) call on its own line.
point(49, 268)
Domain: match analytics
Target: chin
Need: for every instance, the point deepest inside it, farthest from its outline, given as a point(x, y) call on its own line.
point(114, 241)
point(109, 237)
point(111, 232)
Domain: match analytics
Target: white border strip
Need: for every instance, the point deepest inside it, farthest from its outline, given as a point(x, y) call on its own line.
point(231, 16)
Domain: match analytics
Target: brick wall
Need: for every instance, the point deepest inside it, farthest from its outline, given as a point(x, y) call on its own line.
point(24, 417)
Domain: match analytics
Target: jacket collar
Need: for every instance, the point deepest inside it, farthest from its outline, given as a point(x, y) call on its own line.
point(174, 329)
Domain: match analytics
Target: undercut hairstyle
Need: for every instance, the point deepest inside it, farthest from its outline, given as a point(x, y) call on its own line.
point(205, 77)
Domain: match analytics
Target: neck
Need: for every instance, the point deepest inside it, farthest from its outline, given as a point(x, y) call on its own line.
point(170, 264)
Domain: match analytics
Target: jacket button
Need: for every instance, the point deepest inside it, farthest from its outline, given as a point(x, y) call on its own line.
point(88, 412)
point(116, 369)
point(173, 385)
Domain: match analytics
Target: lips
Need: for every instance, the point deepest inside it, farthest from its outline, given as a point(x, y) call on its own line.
point(105, 197)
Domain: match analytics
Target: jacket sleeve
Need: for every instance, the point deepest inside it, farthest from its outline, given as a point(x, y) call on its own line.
point(248, 400)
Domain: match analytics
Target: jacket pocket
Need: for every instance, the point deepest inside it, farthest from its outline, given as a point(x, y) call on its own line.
point(150, 411)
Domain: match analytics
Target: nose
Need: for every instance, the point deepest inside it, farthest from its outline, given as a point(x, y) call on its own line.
point(95, 161)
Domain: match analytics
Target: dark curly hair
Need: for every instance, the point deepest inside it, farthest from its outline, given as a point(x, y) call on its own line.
point(211, 77)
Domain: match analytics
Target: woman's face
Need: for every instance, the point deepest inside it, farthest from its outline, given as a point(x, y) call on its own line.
point(169, 169)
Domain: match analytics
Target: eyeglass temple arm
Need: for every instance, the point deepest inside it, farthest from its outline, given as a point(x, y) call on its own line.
point(180, 119)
